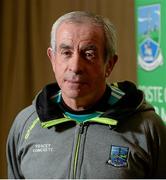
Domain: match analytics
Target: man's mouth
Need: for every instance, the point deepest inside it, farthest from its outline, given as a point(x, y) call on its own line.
point(75, 82)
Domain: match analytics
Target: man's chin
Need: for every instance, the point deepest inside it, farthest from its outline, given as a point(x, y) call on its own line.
point(76, 86)
point(74, 93)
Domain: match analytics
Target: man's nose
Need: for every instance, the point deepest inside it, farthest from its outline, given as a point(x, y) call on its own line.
point(76, 64)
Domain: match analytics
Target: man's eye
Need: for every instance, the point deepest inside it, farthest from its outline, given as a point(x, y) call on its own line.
point(89, 55)
point(66, 53)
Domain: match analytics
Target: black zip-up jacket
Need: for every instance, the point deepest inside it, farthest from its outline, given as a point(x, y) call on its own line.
point(120, 137)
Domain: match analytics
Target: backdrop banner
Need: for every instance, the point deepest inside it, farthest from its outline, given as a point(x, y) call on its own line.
point(151, 52)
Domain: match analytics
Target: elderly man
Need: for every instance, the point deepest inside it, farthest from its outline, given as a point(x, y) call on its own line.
point(80, 127)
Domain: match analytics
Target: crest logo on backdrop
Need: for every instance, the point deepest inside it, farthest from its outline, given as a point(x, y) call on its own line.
point(149, 32)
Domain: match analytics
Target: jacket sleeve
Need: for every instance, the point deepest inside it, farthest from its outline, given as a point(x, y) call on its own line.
point(14, 171)
point(158, 147)
point(161, 169)
point(14, 141)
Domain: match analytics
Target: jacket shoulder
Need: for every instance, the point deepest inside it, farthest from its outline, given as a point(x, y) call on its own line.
point(25, 115)
point(24, 118)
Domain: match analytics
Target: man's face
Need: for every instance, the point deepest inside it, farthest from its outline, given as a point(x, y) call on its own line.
point(78, 61)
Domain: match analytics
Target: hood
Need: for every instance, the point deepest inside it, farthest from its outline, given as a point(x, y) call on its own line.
point(128, 100)
point(132, 102)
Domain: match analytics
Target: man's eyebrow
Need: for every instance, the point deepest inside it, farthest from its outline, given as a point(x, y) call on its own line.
point(89, 47)
point(65, 46)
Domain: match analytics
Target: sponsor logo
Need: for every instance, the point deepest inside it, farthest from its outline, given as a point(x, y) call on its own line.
point(149, 28)
point(118, 156)
point(43, 148)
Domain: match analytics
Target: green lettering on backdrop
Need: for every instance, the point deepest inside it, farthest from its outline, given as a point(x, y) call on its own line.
point(151, 51)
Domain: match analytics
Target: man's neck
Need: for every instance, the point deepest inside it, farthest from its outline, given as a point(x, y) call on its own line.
point(83, 103)
point(78, 104)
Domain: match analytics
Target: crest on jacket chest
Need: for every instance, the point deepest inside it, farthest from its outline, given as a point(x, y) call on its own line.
point(118, 156)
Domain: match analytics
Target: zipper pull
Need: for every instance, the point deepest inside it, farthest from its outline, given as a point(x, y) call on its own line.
point(81, 129)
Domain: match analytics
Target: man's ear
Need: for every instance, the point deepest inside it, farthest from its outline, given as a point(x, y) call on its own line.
point(110, 65)
point(51, 56)
point(50, 53)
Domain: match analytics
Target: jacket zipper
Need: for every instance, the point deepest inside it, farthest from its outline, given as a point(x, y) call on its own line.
point(81, 129)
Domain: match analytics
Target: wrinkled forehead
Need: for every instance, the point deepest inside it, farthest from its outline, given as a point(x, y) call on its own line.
point(77, 30)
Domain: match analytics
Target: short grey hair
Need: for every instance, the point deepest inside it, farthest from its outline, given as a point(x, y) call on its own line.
point(82, 17)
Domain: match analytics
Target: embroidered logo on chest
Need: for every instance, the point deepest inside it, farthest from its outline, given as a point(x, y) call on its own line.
point(118, 156)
